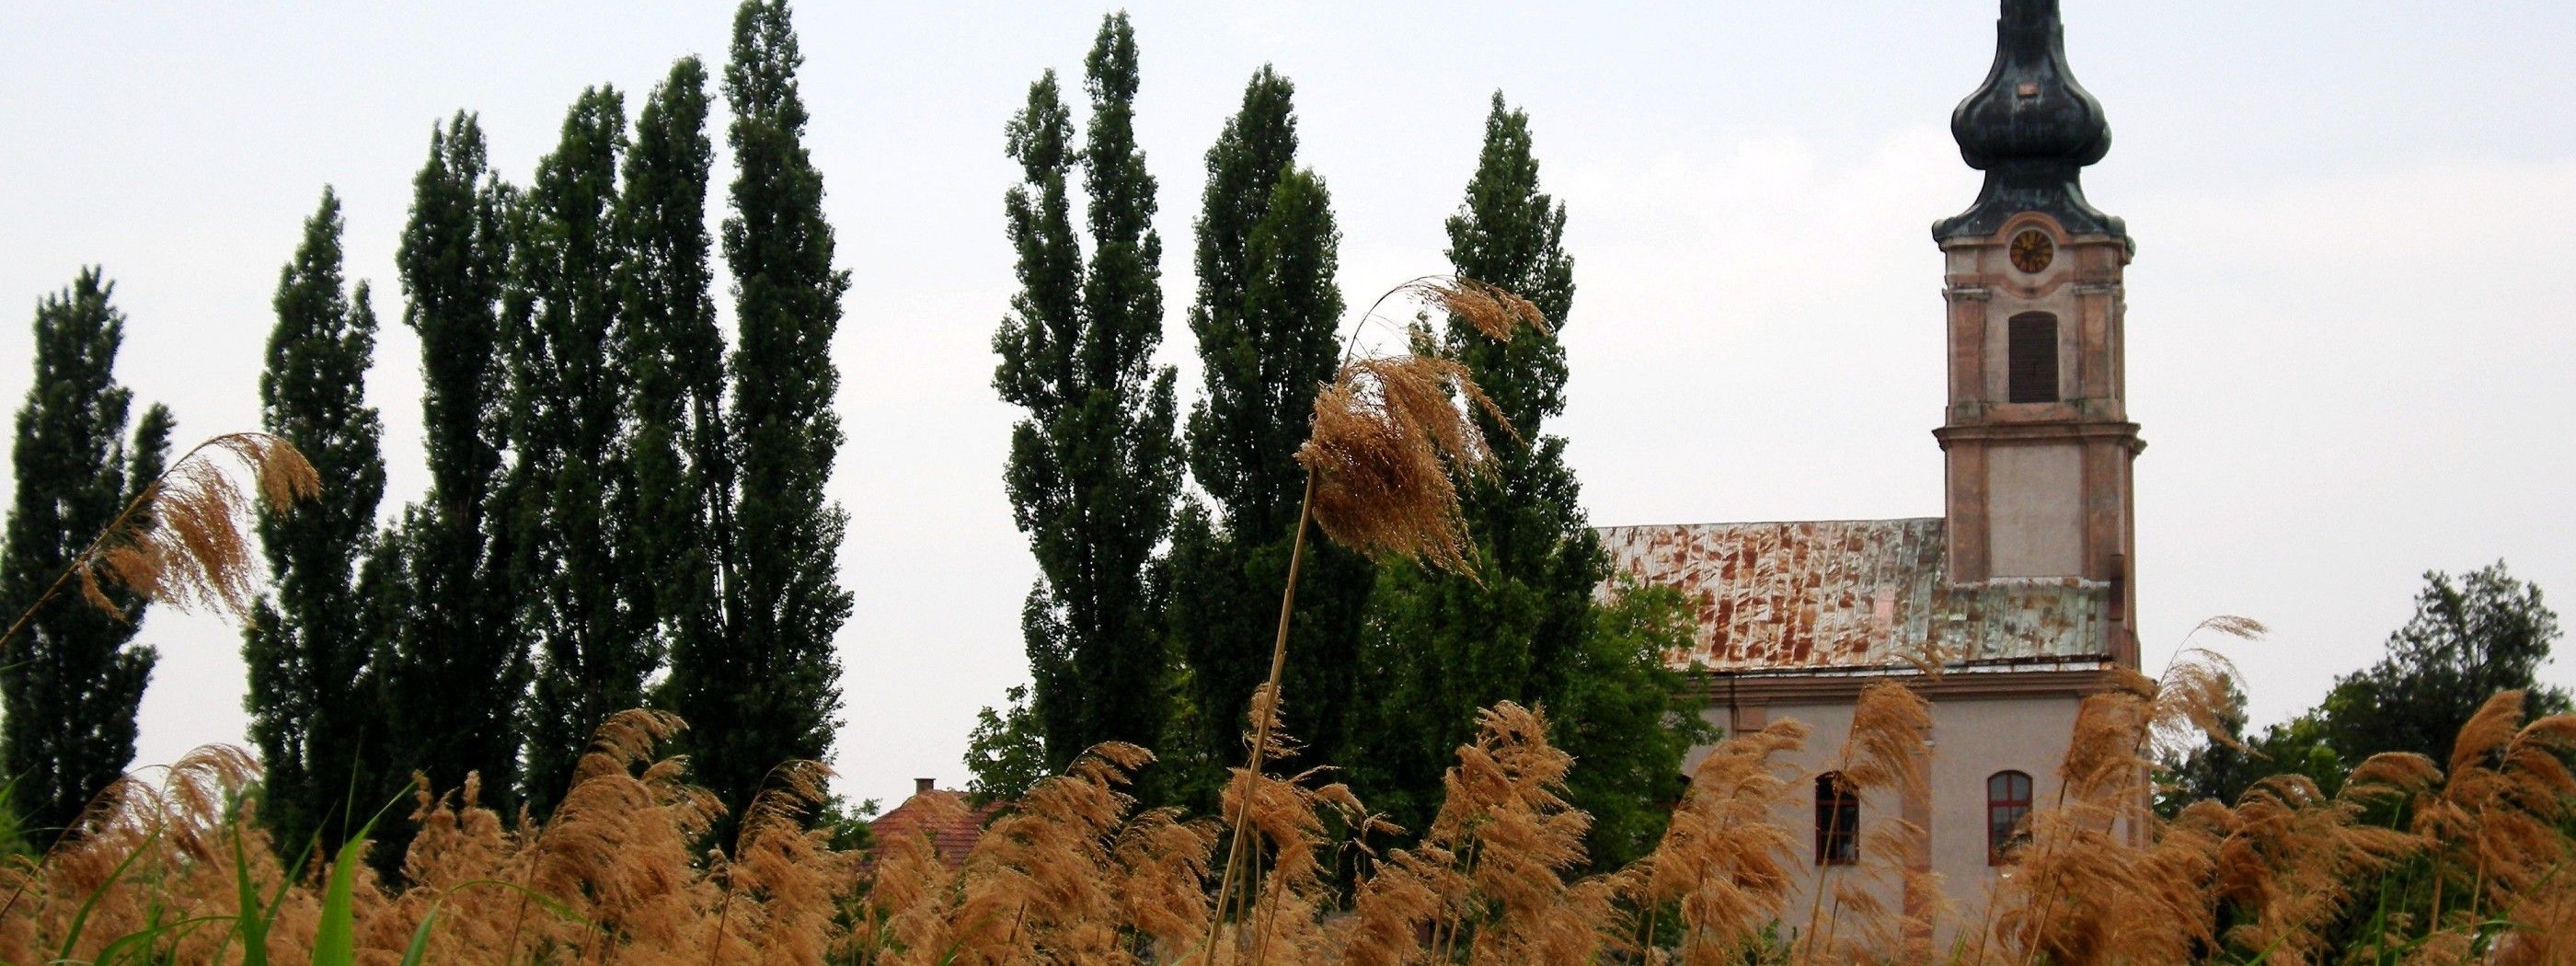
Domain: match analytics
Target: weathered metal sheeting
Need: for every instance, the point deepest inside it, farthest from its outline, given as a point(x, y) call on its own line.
point(1850, 594)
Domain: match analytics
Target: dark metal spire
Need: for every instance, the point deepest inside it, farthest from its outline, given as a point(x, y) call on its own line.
point(2031, 128)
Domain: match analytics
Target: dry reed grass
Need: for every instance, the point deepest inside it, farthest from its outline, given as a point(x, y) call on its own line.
point(185, 542)
point(1077, 873)
point(177, 870)
point(1388, 444)
point(184, 539)
point(1392, 435)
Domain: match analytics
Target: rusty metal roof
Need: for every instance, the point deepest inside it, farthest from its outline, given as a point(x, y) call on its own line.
point(1852, 594)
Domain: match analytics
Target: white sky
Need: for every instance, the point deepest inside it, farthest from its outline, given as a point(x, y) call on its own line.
point(2350, 333)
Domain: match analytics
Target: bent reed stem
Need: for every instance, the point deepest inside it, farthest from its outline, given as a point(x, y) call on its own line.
point(141, 497)
point(1263, 718)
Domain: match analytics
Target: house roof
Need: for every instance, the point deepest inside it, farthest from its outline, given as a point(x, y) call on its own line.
point(1853, 594)
point(953, 823)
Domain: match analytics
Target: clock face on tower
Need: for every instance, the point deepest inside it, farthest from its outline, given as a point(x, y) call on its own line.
point(2032, 251)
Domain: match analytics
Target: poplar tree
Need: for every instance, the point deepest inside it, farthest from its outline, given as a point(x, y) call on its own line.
point(1094, 466)
point(308, 650)
point(677, 513)
point(71, 679)
point(768, 692)
point(1267, 319)
point(455, 665)
point(1526, 627)
point(567, 391)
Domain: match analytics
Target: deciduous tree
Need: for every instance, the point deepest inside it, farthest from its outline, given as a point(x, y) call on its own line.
point(455, 664)
point(768, 692)
point(309, 650)
point(1267, 317)
point(1094, 465)
point(677, 514)
point(1526, 625)
point(72, 678)
point(569, 387)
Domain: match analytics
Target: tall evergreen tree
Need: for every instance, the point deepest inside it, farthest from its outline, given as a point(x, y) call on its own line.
point(678, 510)
point(1526, 627)
point(568, 390)
point(1267, 319)
point(768, 692)
point(1094, 467)
point(309, 650)
point(455, 667)
point(71, 679)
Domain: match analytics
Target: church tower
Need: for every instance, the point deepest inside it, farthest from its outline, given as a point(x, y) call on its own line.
point(2037, 431)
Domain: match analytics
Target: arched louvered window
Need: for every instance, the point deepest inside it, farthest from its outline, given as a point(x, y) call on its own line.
point(2007, 815)
point(1837, 821)
point(2031, 358)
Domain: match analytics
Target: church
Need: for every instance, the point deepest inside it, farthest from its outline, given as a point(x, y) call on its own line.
point(2022, 587)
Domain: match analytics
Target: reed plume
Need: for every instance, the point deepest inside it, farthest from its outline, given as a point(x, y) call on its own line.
point(1494, 863)
point(1387, 433)
point(1723, 864)
point(184, 540)
point(1884, 753)
point(1280, 822)
point(1387, 445)
point(2495, 823)
point(174, 868)
point(778, 893)
point(1039, 883)
point(908, 910)
point(2196, 696)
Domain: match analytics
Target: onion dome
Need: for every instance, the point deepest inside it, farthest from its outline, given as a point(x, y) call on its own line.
point(2031, 128)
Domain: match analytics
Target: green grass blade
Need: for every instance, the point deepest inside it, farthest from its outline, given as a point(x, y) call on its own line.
point(335, 943)
point(420, 937)
point(122, 945)
point(253, 917)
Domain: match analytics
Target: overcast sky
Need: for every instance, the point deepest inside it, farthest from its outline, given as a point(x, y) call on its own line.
point(2351, 340)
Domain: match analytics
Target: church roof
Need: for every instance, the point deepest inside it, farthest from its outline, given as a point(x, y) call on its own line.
point(1854, 595)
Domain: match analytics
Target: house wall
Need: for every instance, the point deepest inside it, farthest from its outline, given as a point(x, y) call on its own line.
point(1973, 737)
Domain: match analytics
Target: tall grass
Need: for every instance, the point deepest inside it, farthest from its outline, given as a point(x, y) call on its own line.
point(173, 867)
point(2412, 861)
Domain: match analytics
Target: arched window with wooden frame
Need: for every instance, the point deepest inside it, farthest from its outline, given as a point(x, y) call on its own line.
point(1837, 821)
point(2030, 358)
point(2007, 815)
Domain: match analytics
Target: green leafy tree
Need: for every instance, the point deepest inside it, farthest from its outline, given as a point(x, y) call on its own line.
point(1267, 319)
point(455, 668)
point(309, 650)
point(568, 392)
point(1094, 466)
point(1006, 753)
point(1526, 626)
point(2221, 771)
point(678, 511)
point(2471, 636)
point(1629, 718)
point(71, 679)
point(768, 691)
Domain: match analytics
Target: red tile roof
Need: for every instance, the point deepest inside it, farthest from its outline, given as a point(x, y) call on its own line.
point(953, 838)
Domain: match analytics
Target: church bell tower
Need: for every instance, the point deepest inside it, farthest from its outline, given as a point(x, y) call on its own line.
point(2037, 430)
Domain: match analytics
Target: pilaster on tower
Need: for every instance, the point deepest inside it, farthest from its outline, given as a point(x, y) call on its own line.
point(2037, 432)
